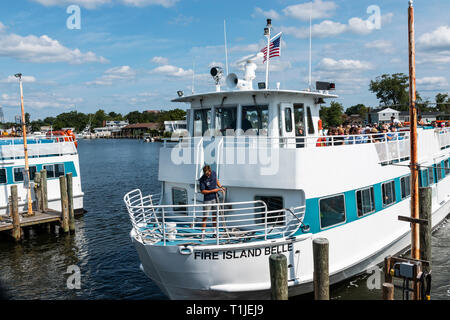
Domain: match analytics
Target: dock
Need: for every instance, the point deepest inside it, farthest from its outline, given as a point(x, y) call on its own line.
point(15, 223)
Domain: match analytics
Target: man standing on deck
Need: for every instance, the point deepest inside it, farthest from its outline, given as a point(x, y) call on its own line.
point(208, 187)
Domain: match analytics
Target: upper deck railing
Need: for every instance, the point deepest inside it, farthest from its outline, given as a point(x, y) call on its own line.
point(12, 148)
point(169, 224)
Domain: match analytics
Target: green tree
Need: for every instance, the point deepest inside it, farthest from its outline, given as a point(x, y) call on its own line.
point(443, 103)
point(332, 116)
point(359, 109)
point(392, 90)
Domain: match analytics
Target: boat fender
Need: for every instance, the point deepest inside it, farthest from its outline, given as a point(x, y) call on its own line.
point(185, 250)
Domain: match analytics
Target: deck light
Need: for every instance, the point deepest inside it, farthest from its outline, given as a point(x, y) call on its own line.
point(180, 93)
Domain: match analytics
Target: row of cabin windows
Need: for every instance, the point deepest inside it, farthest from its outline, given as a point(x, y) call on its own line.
point(434, 174)
point(331, 209)
point(255, 120)
point(53, 171)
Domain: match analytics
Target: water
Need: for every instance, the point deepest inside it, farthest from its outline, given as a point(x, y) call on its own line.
point(102, 249)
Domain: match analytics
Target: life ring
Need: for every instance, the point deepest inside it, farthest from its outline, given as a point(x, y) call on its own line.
point(321, 142)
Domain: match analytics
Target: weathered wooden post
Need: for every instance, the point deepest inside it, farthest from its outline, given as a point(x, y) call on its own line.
point(425, 229)
point(37, 191)
point(44, 190)
point(321, 269)
point(16, 231)
point(388, 291)
point(64, 204)
point(278, 277)
point(70, 202)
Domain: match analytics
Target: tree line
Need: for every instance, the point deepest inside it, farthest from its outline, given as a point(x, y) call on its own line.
point(392, 91)
point(79, 120)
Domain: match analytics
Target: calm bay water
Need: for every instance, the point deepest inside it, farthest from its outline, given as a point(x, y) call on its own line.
point(102, 249)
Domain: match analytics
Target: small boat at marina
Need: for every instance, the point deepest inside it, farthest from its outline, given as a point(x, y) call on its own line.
point(55, 152)
point(286, 185)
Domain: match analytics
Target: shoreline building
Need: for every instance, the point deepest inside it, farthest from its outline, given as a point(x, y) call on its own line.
point(110, 128)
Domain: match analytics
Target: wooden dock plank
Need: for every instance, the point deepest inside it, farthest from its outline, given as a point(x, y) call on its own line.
point(38, 218)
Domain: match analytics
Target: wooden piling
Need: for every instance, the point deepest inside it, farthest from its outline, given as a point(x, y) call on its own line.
point(37, 191)
point(70, 202)
point(388, 291)
point(44, 190)
point(17, 230)
point(278, 277)
point(425, 230)
point(64, 204)
point(387, 270)
point(321, 269)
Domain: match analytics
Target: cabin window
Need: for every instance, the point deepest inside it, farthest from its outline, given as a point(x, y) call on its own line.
point(430, 176)
point(226, 119)
point(365, 201)
point(388, 190)
point(179, 197)
point(299, 118)
point(439, 171)
point(447, 167)
point(310, 121)
point(405, 184)
point(332, 211)
point(3, 178)
point(255, 120)
point(273, 204)
point(54, 170)
point(202, 121)
point(19, 173)
point(288, 119)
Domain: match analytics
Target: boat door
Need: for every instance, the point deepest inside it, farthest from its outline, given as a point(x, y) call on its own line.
point(287, 125)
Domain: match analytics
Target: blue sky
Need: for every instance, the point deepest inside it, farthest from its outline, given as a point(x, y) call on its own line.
point(135, 54)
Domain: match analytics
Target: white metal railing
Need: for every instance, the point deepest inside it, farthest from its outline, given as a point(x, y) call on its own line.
point(443, 137)
point(12, 148)
point(225, 222)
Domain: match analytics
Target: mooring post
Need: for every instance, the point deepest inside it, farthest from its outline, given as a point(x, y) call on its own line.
point(37, 191)
point(70, 202)
point(387, 270)
point(425, 230)
point(278, 276)
point(388, 291)
point(321, 269)
point(64, 204)
point(44, 190)
point(16, 231)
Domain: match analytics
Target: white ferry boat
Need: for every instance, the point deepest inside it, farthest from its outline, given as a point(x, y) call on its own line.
point(56, 154)
point(286, 184)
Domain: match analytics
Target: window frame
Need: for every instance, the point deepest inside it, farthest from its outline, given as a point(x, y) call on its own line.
point(382, 195)
point(260, 109)
point(408, 194)
point(345, 212)
point(54, 169)
point(372, 193)
point(29, 169)
point(430, 183)
point(182, 211)
point(6, 176)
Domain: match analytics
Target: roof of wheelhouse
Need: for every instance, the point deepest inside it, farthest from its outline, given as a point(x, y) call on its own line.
point(220, 94)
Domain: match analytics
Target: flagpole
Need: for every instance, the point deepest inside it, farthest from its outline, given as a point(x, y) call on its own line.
point(267, 34)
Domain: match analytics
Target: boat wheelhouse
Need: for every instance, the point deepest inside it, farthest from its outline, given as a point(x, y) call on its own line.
point(58, 155)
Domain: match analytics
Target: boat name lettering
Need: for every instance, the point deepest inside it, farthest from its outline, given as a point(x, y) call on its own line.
point(245, 253)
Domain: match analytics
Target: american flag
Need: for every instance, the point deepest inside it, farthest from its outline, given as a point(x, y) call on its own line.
point(275, 48)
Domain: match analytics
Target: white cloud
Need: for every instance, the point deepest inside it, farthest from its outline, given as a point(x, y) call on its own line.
point(41, 100)
point(143, 3)
point(114, 74)
point(320, 9)
point(2, 27)
point(42, 49)
point(271, 14)
point(382, 45)
point(439, 39)
point(329, 64)
point(25, 79)
point(254, 47)
point(432, 83)
point(93, 4)
point(172, 71)
point(160, 60)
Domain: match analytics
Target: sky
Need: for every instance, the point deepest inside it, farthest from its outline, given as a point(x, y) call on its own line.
point(126, 55)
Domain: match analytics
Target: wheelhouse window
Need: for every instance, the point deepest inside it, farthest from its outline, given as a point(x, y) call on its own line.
point(255, 120)
point(54, 170)
point(388, 192)
point(19, 173)
point(332, 211)
point(179, 197)
point(405, 184)
point(226, 119)
point(3, 178)
point(365, 201)
point(202, 121)
point(288, 119)
point(299, 118)
point(273, 204)
point(310, 121)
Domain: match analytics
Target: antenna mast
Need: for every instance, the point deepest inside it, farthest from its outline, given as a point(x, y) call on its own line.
point(226, 50)
point(310, 48)
point(193, 76)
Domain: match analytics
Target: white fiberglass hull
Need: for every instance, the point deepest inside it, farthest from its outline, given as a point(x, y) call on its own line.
point(242, 271)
